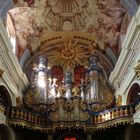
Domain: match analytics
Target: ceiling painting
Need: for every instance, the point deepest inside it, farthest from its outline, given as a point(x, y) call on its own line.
point(65, 49)
point(66, 29)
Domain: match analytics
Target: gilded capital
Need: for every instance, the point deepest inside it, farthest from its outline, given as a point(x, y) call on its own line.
point(137, 69)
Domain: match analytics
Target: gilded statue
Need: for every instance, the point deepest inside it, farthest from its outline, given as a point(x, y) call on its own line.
point(61, 90)
point(29, 98)
point(75, 91)
point(19, 102)
point(119, 100)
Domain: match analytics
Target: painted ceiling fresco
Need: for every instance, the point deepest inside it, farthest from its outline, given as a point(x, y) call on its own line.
point(67, 30)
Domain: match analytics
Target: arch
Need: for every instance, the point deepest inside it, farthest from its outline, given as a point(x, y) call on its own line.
point(6, 133)
point(133, 93)
point(5, 98)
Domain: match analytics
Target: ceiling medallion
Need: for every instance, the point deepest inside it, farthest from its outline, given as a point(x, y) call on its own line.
point(70, 53)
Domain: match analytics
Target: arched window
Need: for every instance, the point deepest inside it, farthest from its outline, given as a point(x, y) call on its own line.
point(5, 96)
point(133, 93)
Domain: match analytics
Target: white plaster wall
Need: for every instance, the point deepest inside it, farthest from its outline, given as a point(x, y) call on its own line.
point(123, 75)
point(136, 117)
point(13, 77)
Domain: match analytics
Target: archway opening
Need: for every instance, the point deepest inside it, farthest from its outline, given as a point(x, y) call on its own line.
point(133, 93)
point(6, 133)
point(5, 96)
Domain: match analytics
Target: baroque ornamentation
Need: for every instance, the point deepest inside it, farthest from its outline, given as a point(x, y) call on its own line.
point(137, 70)
point(68, 110)
point(93, 91)
point(72, 14)
point(19, 102)
point(2, 109)
point(101, 120)
point(119, 100)
point(102, 19)
point(69, 53)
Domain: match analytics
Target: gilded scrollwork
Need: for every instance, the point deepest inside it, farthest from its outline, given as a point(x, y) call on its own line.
point(119, 100)
point(84, 116)
point(28, 98)
point(75, 91)
point(2, 108)
point(19, 102)
point(61, 90)
point(68, 111)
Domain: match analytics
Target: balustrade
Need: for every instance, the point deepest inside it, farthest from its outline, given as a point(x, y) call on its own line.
point(117, 112)
point(24, 115)
point(107, 115)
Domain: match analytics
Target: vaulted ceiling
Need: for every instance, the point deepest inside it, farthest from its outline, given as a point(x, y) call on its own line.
point(67, 31)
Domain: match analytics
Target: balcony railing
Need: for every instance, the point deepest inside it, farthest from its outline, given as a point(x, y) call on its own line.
point(99, 120)
point(114, 113)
